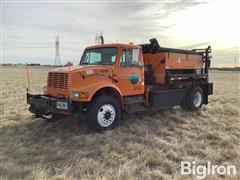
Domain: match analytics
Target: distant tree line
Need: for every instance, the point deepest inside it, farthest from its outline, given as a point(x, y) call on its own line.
point(36, 64)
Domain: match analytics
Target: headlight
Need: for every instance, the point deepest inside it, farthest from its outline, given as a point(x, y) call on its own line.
point(75, 94)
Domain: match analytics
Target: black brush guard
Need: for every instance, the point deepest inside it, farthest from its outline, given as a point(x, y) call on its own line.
point(45, 107)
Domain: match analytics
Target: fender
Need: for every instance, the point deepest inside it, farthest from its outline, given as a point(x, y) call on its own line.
point(110, 90)
point(93, 84)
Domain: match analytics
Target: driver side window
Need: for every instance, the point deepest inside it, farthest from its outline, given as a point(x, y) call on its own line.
point(93, 57)
point(130, 58)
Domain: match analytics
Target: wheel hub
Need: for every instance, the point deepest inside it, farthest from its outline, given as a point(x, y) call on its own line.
point(197, 99)
point(106, 115)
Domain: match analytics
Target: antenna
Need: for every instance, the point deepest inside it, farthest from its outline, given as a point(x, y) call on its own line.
point(99, 38)
point(57, 61)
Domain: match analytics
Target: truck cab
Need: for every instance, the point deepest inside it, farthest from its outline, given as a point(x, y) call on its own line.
point(114, 78)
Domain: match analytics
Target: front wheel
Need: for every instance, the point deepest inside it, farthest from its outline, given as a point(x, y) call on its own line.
point(104, 113)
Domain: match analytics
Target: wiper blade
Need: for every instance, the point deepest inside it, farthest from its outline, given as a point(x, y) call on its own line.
point(104, 63)
point(99, 62)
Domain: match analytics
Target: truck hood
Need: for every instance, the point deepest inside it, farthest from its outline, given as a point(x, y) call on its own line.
point(85, 69)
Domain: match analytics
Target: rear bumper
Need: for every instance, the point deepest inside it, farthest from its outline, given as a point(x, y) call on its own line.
point(43, 105)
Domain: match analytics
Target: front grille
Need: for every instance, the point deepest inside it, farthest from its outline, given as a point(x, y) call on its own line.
point(58, 80)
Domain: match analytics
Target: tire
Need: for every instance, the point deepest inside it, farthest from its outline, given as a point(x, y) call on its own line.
point(194, 99)
point(104, 114)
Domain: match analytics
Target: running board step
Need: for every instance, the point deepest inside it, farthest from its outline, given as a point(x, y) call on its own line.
point(134, 100)
point(135, 108)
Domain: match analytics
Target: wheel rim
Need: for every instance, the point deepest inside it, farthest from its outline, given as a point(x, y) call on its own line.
point(197, 99)
point(106, 115)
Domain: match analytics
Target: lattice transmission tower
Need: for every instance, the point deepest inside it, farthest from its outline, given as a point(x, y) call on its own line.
point(236, 61)
point(57, 61)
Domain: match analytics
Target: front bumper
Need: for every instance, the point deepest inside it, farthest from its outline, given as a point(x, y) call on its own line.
point(42, 105)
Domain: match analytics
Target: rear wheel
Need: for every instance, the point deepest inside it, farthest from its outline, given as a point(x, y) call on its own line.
point(104, 113)
point(194, 99)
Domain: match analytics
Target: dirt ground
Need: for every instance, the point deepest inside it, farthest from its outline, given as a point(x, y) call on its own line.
point(146, 146)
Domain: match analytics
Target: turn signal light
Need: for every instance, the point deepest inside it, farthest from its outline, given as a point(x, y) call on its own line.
point(83, 95)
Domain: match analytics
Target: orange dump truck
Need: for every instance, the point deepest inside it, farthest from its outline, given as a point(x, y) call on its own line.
point(115, 78)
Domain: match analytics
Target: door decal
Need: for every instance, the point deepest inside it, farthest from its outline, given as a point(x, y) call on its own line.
point(134, 79)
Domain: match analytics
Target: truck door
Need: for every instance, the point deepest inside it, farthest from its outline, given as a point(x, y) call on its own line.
point(131, 72)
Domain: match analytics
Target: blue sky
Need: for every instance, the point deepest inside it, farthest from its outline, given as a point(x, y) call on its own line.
point(29, 28)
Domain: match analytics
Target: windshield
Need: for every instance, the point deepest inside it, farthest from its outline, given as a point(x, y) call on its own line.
point(99, 56)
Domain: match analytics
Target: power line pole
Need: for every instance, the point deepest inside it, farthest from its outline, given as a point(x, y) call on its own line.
point(235, 61)
point(57, 61)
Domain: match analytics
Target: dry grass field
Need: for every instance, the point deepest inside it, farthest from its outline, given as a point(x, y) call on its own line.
point(146, 146)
